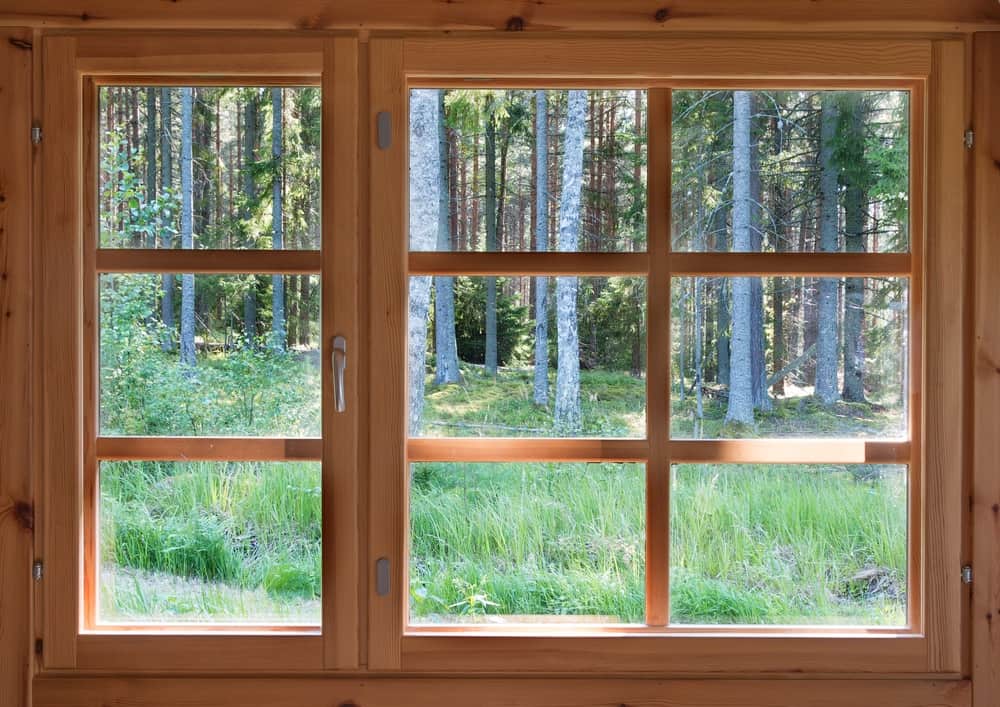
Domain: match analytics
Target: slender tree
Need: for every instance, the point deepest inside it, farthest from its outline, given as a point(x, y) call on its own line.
point(250, 111)
point(827, 340)
point(187, 228)
point(740, 408)
point(855, 173)
point(425, 206)
point(166, 232)
point(491, 235)
point(445, 344)
point(567, 413)
point(278, 331)
point(541, 391)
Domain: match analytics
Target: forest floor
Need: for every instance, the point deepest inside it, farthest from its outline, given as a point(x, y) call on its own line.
point(751, 544)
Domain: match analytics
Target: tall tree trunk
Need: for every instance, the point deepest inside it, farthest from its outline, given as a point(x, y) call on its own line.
point(187, 228)
point(740, 408)
point(758, 367)
point(826, 348)
point(855, 199)
point(568, 419)
point(151, 140)
point(445, 344)
point(491, 240)
point(278, 329)
point(425, 206)
point(250, 197)
point(541, 244)
point(166, 232)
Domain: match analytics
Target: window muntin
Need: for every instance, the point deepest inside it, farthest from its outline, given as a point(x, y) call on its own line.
point(204, 488)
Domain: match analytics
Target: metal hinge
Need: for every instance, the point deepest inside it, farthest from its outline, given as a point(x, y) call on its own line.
point(970, 138)
point(36, 134)
point(967, 574)
point(37, 570)
point(38, 646)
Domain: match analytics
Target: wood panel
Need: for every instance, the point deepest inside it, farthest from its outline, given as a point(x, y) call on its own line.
point(552, 15)
point(702, 58)
point(526, 450)
point(182, 449)
point(16, 502)
point(157, 651)
point(59, 339)
point(986, 479)
point(495, 692)
point(429, 263)
point(141, 260)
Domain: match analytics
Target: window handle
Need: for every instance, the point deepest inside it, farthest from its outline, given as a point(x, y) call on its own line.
point(339, 364)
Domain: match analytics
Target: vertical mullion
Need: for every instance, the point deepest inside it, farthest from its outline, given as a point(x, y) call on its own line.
point(658, 359)
point(339, 283)
point(91, 344)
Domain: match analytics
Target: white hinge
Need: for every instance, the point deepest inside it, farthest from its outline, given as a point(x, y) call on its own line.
point(967, 574)
point(37, 570)
point(36, 134)
point(970, 138)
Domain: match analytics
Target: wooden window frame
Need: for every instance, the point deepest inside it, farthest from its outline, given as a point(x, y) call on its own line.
point(934, 73)
point(74, 67)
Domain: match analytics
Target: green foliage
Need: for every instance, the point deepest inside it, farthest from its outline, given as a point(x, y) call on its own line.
point(470, 323)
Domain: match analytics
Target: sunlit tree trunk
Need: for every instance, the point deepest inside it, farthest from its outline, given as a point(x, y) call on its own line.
point(425, 205)
point(278, 333)
point(542, 244)
point(740, 408)
point(567, 414)
point(166, 233)
point(250, 196)
point(491, 240)
point(855, 203)
point(445, 345)
point(827, 340)
point(187, 226)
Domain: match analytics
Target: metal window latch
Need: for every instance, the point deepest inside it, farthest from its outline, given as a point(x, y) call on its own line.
point(36, 134)
point(383, 130)
point(339, 364)
point(967, 574)
point(37, 570)
point(970, 138)
point(382, 583)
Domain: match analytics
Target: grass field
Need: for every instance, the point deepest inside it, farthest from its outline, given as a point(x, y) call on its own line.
point(501, 542)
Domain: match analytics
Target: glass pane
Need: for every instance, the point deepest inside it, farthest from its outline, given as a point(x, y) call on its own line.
point(210, 355)
point(209, 542)
point(801, 171)
point(527, 543)
point(527, 357)
point(526, 169)
point(789, 357)
point(209, 167)
point(795, 545)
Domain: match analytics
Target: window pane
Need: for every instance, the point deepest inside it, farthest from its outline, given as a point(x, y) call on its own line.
point(801, 171)
point(802, 545)
point(210, 542)
point(464, 382)
point(476, 182)
point(210, 355)
point(789, 357)
point(254, 155)
point(527, 543)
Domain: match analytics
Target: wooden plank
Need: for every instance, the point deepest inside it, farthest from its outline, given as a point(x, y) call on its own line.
point(182, 449)
point(271, 651)
point(497, 15)
point(16, 498)
point(986, 480)
point(482, 449)
point(340, 318)
point(429, 263)
point(659, 165)
point(789, 451)
point(387, 355)
point(688, 58)
point(208, 261)
point(799, 264)
point(168, 55)
point(75, 691)
point(60, 342)
point(944, 354)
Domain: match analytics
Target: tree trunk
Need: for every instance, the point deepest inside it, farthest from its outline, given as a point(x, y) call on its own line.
point(445, 345)
point(250, 197)
point(151, 140)
point(740, 407)
point(166, 232)
point(758, 366)
point(855, 199)
point(278, 329)
point(541, 244)
point(491, 241)
point(425, 205)
point(568, 419)
point(826, 345)
point(187, 228)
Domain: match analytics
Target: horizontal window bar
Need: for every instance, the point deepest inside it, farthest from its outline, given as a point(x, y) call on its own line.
point(520, 449)
point(426, 263)
point(789, 451)
point(136, 260)
point(209, 448)
point(800, 264)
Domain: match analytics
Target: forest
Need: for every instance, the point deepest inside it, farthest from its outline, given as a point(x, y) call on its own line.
point(515, 170)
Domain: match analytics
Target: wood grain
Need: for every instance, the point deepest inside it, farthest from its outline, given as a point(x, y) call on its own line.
point(498, 15)
point(429, 263)
point(182, 449)
point(495, 692)
point(986, 478)
point(481, 449)
point(16, 502)
point(142, 260)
